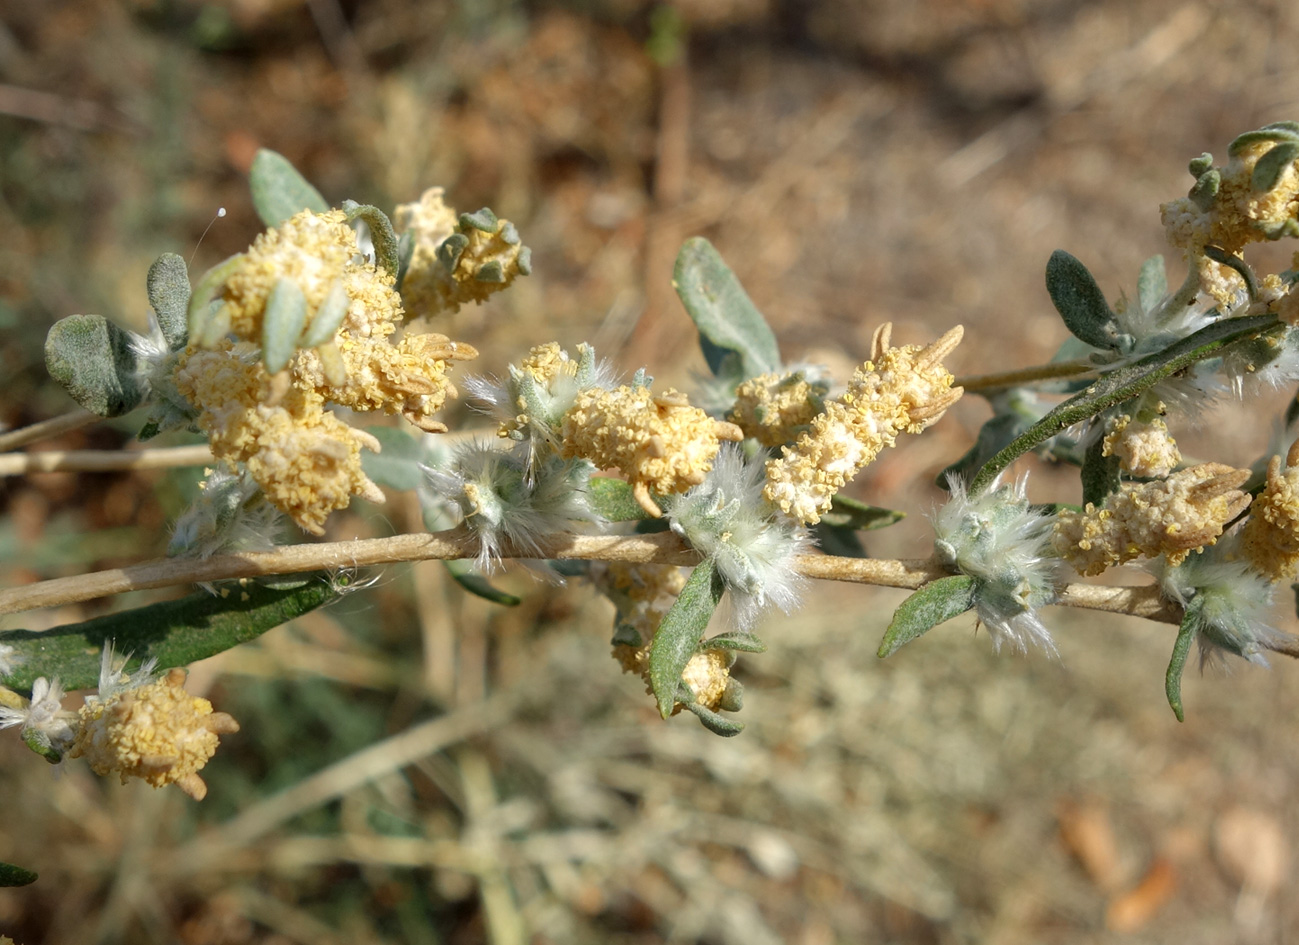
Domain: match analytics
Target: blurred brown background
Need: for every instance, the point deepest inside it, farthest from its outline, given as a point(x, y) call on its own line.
point(856, 161)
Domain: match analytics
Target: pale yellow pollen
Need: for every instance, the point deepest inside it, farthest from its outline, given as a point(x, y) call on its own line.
point(158, 733)
point(774, 409)
point(1270, 538)
point(658, 441)
point(1174, 516)
point(899, 390)
point(1146, 450)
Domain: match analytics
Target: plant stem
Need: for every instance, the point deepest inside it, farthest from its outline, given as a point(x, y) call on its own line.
point(664, 548)
point(46, 429)
point(1042, 372)
point(18, 464)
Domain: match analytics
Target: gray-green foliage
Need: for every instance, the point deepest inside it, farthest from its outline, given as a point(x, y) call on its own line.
point(279, 191)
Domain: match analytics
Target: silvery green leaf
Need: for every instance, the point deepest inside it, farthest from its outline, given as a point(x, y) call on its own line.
point(491, 271)
point(398, 465)
point(204, 303)
point(328, 317)
point(1125, 383)
point(681, 629)
point(1100, 474)
point(96, 363)
point(451, 249)
point(613, 501)
point(1279, 132)
point(386, 254)
point(1200, 164)
point(282, 323)
point(279, 191)
point(1186, 634)
point(1270, 167)
point(1079, 301)
point(726, 318)
point(937, 601)
point(467, 576)
point(175, 632)
point(1152, 284)
point(168, 286)
point(405, 250)
point(715, 723)
point(484, 220)
point(1205, 190)
point(743, 642)
point(524, 261)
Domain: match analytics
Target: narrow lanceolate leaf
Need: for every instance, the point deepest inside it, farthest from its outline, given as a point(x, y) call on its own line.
point(925, 609)
point(168, 285)
point(94, 361)
point(613, 501)
point(382, 236)
point(1152, 284)
point(467, 577)
point(1270, 167)
point(282, 324)
point(204, 302)
point(177, 632)
point(328, 317)
point(1100, 474)
point(1080, 302)
point(681, 629)
point(11, 875)
point(397, 465)
point(279, 191)
point(715, 722)
point(1181, 649)
point(734, 640)
point(728, 322)
point(1124, 383)
point(849, 513)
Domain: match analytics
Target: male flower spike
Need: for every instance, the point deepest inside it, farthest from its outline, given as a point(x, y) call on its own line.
point(267, 408)
point(899, 390)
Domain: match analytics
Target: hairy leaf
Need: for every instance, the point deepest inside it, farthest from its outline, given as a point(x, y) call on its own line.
point(681, 629)
point(727, 320)
point(937, 601)
point(734, 640)
point(612, 500)
point(466, 575)
point(1181, 649)
point(177, 632)
point(1100, 474)
point(279, 191)
point(168, 286)
point(382, 235)
point(282, 323)
point(1152, 284)
point(95, 362)
point(1079, 301)
point(11, 875)
point(398, 465)
point(1124, 383)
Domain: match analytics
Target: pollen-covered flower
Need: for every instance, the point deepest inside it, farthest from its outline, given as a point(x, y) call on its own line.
point(45, 725)
point(1001, 541)
point(727, 520)
point(658, 441)
point(1172, 517)
point(306, 460)
point(157, 732)
point(457, 259)
point(530, 404)
point(898, 390)
point(774, 409)
point(1144, 448)
point(1270, 538)
point(507, 505)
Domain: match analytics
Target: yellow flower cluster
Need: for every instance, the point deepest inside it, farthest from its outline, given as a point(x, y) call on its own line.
point(773, 409)
point(1174, 516)
point(1238, 216)
point(1270, 539)
point(898, 390)
point(1146, 450)
point(658, 441)
point(158, 733)
point(488, 261)
point(306, 460)
point(545, 363)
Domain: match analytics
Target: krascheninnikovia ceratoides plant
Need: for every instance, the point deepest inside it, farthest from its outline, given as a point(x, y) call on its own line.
point(311, 318)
